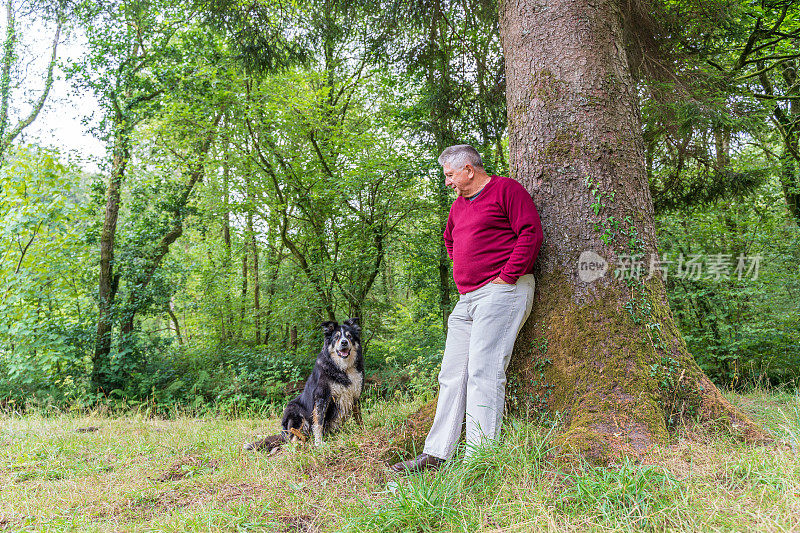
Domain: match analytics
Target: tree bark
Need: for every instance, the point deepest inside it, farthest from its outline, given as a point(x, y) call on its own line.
point(108, 282)
point(228, 315)
point(605, 354)
point(438, 81)
point(256, 284)
point(788, 122)
point(7, 63)
point(790, 158)
point(790, 180)
point(175, 323)
point(243, 308)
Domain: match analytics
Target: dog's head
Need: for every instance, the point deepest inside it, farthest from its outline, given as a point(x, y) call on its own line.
point(343, 341)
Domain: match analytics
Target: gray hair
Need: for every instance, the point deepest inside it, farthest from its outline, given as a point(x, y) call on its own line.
point(459, 156)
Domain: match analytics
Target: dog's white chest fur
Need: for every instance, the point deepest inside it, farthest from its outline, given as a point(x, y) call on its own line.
point(345, 396)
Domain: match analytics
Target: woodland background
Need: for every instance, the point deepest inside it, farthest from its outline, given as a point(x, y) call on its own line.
point(273, 165)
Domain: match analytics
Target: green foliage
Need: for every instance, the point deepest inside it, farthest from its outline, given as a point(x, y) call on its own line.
point(230, 381)
point(292, 148)
point(408, 353)
point(46, 312)
point(257, 32)
point(18, 107)
point(741, 330)
point(731, 72)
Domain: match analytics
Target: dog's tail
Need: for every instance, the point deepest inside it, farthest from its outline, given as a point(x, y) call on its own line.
point(274, 442)
point(268, 444)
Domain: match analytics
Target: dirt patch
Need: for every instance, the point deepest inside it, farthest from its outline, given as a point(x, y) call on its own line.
point(408, 440)
point(558, 481)
point(239, 492)
point(186, 467)
point(152, 505)
point(165, 501)
point(690, 457)
point(362, 460)
point(304, 523)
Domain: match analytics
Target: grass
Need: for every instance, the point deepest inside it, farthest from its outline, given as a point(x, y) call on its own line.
point(72, 472)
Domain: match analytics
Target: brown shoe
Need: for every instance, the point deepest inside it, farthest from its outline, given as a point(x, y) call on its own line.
point(419, 463)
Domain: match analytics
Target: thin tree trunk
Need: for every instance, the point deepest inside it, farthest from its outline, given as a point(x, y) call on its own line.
point(273, 278)
point(108, 281)
point(603, 353)
point(243, 308)
point(790, 159)
point(256, 285)
point(722, 146)
point(270, 295)
point(175, 323)
point(788, 122)
point(790, 180)
point(7, 133)
point(153, 258)
point(438, 80)
point(228, 317)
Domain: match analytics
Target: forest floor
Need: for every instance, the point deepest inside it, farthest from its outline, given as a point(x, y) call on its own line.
point(135, 473)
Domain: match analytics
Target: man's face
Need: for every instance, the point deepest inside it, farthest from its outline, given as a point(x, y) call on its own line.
point(460, 181)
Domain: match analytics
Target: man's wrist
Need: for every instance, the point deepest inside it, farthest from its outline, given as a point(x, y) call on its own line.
point(511, 280)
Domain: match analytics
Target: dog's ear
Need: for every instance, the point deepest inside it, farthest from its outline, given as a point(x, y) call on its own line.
point(329, 327)
point(353, 323)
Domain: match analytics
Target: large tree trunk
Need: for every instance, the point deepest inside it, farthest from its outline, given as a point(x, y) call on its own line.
point(605, 354)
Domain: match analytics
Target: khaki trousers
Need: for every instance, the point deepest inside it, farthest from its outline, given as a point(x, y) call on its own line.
point(481, 332)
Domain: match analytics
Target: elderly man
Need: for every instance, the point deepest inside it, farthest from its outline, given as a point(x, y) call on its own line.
point(493, 236)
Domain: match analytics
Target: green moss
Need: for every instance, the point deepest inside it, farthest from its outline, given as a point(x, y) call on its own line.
point(593, 100)
point(546, 87)
point(563, 146)
point(516, 115)
point(606, 397)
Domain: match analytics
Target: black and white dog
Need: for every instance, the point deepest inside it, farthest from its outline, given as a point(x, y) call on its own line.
point(331, 394)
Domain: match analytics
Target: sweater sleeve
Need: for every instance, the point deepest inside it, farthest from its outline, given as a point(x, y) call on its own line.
point(448, 233)
point(524, 220)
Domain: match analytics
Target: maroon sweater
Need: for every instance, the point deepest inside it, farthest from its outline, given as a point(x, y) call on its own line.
point(496, 233)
